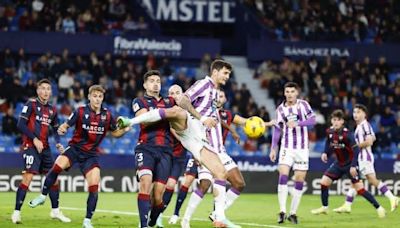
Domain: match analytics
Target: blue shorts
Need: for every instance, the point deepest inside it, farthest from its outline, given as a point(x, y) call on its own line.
point(178, 167)
point(153, 160)
point(335, 172)
point(37, 163)
point(191, 167)
point(87, 160)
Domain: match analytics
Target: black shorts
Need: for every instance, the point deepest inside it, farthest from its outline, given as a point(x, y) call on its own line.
point(335, 172)
point(37, 163)
point(86, 160)
point(191, 168)
point(154, 160)
point(178, 167)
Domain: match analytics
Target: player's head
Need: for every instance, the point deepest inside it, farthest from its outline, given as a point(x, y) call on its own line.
point(96, 96)
point(43, 89)
point(360, 112)
point(220, 71)
point(152, 81)
point(337, 119)
point(291, 91)
point(221, 99)
point(175, 91)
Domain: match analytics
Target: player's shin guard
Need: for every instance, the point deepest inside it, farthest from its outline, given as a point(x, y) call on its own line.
point(368, 197)
point(351, 193)
point(167, 197)
point(54, 195)
point(194, 201)
point(231, 195)
point(20, 197)
point(297, 193)
point(385, 191)
point(324, 195)
point(51, 179)
point(181, 197)
point(144, 207)
point(282, 192)
point(92, 201)
point(219, 188)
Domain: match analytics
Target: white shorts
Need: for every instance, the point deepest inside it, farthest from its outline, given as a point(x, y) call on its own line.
point(193, 138)
point(226, 160)
point(297, 159)
point(365, 168)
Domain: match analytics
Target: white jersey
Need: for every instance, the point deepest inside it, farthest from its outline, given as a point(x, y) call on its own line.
point(294, 138)
point(362, 131)
point(203, 95)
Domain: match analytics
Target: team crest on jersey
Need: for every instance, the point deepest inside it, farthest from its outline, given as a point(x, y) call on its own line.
point(340, 137)
point(51, 112)
point(38, 108)
point(166, 101)
point(103, 117)
point(86, 116)
point(330, 136)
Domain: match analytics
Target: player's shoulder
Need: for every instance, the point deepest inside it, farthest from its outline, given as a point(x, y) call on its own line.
point(303, 102)
point(30, 101)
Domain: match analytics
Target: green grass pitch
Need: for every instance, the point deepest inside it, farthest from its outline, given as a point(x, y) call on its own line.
point(250, 210)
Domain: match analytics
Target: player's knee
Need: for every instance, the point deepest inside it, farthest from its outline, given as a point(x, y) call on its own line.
point(204, 185)
point(27, 178)
point(221, 174)
point(239, 185)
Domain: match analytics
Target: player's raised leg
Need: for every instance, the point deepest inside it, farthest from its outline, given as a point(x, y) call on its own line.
point(61, 163)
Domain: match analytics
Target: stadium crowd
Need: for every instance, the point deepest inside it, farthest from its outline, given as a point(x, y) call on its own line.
point(72, 16)
point(329, 85)
point(365, 21)
point(120, 75)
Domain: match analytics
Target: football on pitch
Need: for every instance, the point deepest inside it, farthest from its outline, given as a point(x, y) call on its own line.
point(254, 127)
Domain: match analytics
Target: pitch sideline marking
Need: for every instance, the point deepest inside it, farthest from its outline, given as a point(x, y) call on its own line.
point(195, 219)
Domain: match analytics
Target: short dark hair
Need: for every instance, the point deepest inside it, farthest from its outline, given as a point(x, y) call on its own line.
point(43, 81)
point(362, 107)
point(338, 113)
point(291, 85)
point(218, 64)
point(151, 73)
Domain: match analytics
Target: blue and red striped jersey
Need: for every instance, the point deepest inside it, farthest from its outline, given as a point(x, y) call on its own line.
point(178, 151)
point(157, 134)
point(39, 117)
point(341, 143)
point(227, 117)
point(90, 127)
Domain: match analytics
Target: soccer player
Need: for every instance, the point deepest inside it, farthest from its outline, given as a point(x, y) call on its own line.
point(92, 122)
point(179, 160)
point(365, 137)
point(341, 142)
point(199, 130)
point(293, 117)
point(34, 122)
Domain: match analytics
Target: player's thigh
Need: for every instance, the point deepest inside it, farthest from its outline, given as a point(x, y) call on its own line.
point(144, 162)
point(212, 162)
point(366, 168)
point(27, 178)
point(93, 176)
point(178, 167)
point(236, 179)
point(333, 172)
point(67, 159)
point(372, 179)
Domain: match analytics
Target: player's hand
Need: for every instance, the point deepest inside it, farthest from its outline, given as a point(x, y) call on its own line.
point(324, 157)
point(270, 123)
point(38, 144)
point(236, 137)
point(62, 129)
point(210, 122)
point(272, 155)
point(292, 124)
point(60, 148)
point(369, 139)
point(353, 172)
